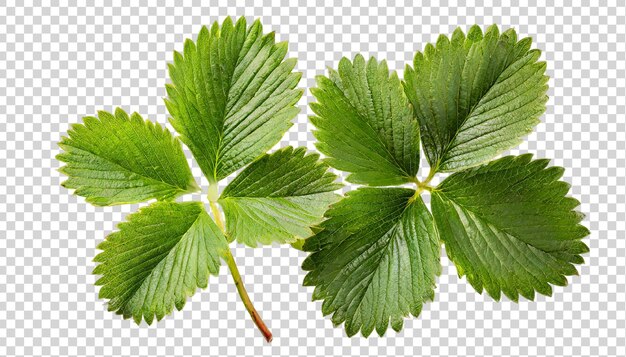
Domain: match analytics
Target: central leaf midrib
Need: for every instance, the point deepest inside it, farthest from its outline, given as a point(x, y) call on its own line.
point(530, 248)
point(370, 277)
point(227, 112)
point(391, 232)
point(224, 113)
point(161, 261)
point(489, 222)
point(124, 168)
point(471, 111)
point(390, 158)
point(502, 114)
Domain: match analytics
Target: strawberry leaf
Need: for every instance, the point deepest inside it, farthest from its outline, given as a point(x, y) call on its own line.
point(232, 95)
point(116, 159)
point(475, 96)
point(231, 99)
point(278, 197)
point(375, 260)
point(159, 258)
point(365, 124)
point(509, 226)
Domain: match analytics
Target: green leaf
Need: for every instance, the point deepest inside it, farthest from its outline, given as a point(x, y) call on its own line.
point(114, 159)
point(299, 244)
point(277, 198)
point(375, 261)
point(365, 124)
point(158, 258)
point(232, 95)
point(475, 96)
point(509, 226)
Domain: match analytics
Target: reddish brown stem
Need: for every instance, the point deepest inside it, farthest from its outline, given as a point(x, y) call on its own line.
point(256, 318)
point(234, 271)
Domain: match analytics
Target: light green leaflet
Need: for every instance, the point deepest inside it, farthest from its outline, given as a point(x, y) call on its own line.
point(476, 95)
point(508, 225)
point(159, 258)
point(232, 98)
point(277, 198)
point(232, 95)
point(114, 159)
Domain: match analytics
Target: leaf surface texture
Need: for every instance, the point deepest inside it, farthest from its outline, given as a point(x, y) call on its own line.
point(158, 258)
point(509, 226)
point(278, 197)
point(232, 95)
point(475, 96)
point(375, 260)
point(115, 159)
point(365, 124)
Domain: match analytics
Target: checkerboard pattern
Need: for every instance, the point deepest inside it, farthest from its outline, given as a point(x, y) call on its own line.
point(62, 61)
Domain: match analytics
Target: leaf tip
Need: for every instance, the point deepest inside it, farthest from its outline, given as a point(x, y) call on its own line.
point(475, 33)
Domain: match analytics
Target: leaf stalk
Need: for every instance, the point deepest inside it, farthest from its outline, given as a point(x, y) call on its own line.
point(234, 272)
point(423, 185)
point(217, 215)
point(213, 194)
point(256, 318)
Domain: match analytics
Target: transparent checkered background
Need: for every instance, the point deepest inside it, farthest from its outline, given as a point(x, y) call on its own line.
point(61, 62)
